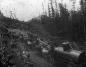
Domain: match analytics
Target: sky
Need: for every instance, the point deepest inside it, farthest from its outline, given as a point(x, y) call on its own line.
point(25, 10)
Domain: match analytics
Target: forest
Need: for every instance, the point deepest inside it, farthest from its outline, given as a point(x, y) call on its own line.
point(71, 25)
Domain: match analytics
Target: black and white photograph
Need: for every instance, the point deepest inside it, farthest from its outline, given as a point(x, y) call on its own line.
point(42, 33)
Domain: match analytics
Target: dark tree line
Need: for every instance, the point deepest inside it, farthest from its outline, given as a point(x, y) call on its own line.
point(68, 26)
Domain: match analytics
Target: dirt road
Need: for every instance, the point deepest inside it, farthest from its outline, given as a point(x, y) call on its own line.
point(39, 60)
